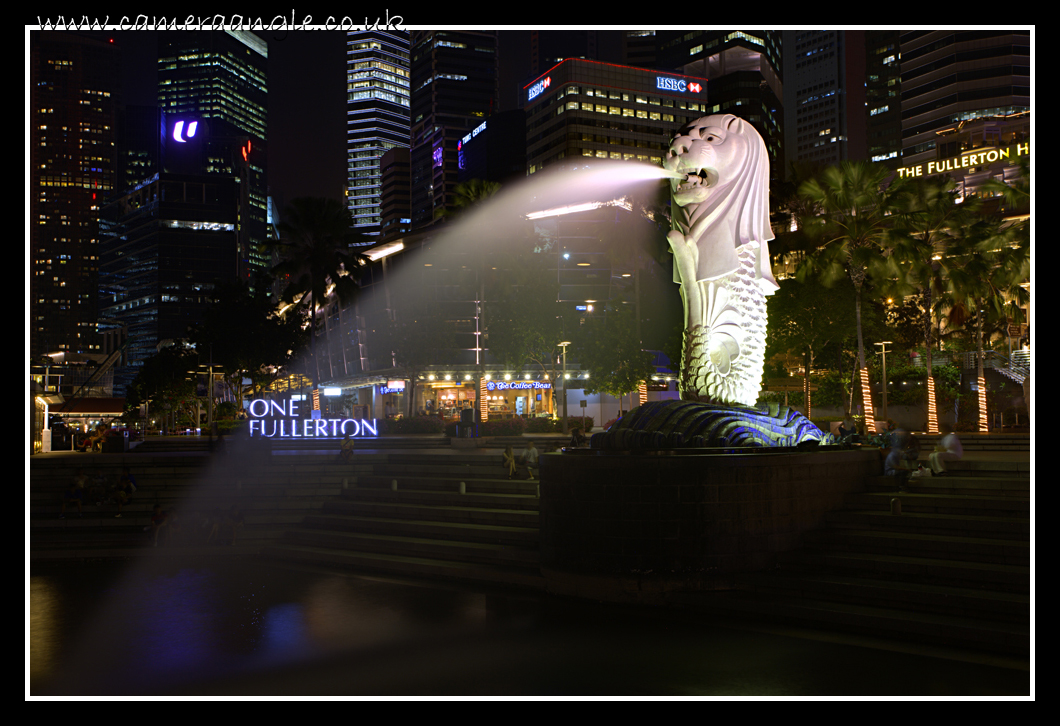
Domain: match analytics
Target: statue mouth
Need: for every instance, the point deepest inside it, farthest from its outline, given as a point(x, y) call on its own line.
point(701, 179)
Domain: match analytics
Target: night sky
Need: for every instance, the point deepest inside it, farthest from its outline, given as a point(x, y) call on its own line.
point(306, 76)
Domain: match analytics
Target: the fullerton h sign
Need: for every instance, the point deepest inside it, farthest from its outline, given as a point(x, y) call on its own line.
point(281, 419)
point(974, 159)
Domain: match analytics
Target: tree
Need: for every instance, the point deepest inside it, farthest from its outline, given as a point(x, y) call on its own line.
point(243, 334)
point(850, 234)
point(164, 383)
point(413, 341)
point(926, 215)
point(607, 347)
point(316, 258)
point(807, 317)
point(986, 286)
point(467, 195)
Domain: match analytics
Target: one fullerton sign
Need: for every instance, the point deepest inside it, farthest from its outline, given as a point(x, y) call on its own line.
point(281, 419)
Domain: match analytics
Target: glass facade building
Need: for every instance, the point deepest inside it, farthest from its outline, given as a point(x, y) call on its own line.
point(454, 89)
point(221, 78)
point(377, 118)
point(72, 162)
point(825, 102)
point(952, 79)
point(585, 108)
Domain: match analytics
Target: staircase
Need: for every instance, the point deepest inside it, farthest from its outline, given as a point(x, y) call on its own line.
point(443, 516)
point(953, 568)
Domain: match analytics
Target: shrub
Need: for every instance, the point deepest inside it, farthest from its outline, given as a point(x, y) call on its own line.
point(541, 425)
point(414, 425)
point(573, 421)
point(504, 427)
point(230, 426)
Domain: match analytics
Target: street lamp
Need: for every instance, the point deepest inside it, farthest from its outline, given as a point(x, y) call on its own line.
point(883, 352)
point(564, 345)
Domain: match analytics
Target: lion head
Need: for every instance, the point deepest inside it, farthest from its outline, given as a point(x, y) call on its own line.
point(723, 200)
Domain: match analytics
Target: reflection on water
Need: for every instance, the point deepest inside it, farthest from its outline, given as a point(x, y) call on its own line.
point(151, 627)
point(247, 629)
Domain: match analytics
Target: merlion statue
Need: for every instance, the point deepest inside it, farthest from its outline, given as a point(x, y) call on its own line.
point(719, 240)
point(720, 233)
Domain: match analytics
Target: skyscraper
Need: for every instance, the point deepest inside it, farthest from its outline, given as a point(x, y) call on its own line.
point(549, 47)
point(962, 90)
point(883, 97)
point(219, 78)
point(377, 117)
point(454, 89)
point(824, 83)
point(73, 110)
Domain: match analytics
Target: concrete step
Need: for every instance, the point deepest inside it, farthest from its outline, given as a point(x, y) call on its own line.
point(409, 566)
point(987, 486)
point(917, 597)
point(492, 470)
point(915, 544)
point(924, 570)
point(418, 512)
point(985, 467)
point(455, 531)
point(501, 485)
point(440, 549)
point(452, 498)
point(939, 503)
point(899, 624)
point(929, 523)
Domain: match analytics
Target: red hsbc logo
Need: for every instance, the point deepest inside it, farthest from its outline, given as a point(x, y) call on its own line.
point(695, 87)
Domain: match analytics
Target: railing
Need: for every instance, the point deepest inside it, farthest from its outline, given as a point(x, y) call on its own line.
point(1017, 369)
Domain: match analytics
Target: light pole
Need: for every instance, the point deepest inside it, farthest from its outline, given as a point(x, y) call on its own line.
point(883, 352)
point(564, 345)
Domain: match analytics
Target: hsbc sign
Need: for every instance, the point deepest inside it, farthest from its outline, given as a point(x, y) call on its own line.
point(538, 88)
point(677, 84)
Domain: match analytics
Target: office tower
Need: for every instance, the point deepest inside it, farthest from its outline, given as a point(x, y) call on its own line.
point(166, 245)
point(602, 110)
point(549, 47)
point(219, 79)
point(586, 110)
point(883, 97)
point(377, 117)
point(395, 206)
point(495, 150)
point(140, 144)
point(454, 89)
point(744, 74)
point(638, 48)
point(824, 80)
point(962, 90)
point(74, 85)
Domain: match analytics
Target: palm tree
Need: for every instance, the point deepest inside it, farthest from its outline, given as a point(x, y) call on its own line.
point(850, 230)
point(926, 215)
point(986, 286)
point(316, 258)
point(468, 194)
